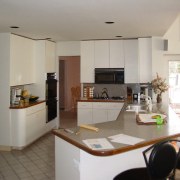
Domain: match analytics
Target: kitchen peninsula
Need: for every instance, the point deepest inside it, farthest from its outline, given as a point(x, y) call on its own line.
point(75, 160)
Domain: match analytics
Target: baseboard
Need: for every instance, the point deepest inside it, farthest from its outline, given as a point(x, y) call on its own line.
point(5, 148)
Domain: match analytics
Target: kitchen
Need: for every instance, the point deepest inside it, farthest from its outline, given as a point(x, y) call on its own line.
point(158, 58)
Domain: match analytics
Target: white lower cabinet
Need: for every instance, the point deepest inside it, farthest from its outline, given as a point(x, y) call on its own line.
point(114, 110)
point(28, 124)
point(97, 112)
point(84, 113)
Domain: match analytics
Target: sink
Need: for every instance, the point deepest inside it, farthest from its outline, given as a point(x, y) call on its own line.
point(136, 108)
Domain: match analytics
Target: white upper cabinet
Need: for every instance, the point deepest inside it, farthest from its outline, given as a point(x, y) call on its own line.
point(131, 61)
point(116, 54)
point(22, 67)
point(145, 59)
point(87, 61)
point(101, 54)
point(50, 56)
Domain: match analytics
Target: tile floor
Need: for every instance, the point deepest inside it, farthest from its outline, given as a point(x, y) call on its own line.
point(37, 161)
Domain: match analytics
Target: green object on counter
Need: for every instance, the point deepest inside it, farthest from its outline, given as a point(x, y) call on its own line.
point(159, 120)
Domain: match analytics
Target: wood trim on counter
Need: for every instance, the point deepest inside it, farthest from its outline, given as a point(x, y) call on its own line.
point(26, 105)
point(114, 151)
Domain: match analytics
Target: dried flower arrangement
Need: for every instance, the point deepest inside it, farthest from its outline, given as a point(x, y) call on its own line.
point(159, 86)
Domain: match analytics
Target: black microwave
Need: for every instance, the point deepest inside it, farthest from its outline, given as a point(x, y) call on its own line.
point(109, 75)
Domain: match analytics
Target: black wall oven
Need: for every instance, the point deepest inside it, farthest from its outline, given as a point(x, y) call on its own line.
point(51, 96)
point(109, 75)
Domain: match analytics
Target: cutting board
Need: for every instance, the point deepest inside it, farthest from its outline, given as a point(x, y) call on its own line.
point(147, 119)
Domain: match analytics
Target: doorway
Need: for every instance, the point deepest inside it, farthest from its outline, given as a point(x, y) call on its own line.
point(69, 79)
point(174, 86)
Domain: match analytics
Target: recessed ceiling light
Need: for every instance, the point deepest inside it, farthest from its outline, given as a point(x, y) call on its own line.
point(109, 22)
point(14, 27)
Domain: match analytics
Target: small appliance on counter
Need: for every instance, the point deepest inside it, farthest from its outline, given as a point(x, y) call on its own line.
point(16, 94)
point(88, 92)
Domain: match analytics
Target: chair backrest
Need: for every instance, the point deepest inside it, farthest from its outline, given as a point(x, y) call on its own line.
point(162, 160)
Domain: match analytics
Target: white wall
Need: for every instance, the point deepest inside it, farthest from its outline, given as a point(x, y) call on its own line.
point(173, 37)
point(68, 48)
point(173, 53)
point(5, 131)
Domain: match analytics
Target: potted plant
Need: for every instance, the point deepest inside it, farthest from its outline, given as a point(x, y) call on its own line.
point(159, 86)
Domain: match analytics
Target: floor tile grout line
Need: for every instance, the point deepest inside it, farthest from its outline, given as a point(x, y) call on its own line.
point(10, 167)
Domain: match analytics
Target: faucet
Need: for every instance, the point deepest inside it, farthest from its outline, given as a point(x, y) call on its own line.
point(104, 93)
point(148, 101)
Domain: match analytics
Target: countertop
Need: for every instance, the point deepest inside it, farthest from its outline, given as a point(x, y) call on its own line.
point(26, 105)
point(125, 124)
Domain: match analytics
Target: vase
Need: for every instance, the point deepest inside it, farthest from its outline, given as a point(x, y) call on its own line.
point(159, 98)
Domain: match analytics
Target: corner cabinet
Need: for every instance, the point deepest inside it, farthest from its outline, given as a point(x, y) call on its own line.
point(131, 61)
point(28, 124)
point(22, 64)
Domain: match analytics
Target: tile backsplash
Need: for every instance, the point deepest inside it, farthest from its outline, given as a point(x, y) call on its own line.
point(114, 89)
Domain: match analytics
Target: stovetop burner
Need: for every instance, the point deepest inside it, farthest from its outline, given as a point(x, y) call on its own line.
point(113, 97)
point(118, 97)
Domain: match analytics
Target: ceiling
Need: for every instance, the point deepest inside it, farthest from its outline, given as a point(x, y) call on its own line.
point(74, 20)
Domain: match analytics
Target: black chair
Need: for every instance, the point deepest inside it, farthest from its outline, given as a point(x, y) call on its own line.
point(160, 163)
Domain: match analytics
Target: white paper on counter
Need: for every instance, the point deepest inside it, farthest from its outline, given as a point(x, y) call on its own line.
point(125, 139)
point(98, 144)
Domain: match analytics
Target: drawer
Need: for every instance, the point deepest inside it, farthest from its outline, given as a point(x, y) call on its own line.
point(35, 108)
point(115, 105)
point(100, 105)
point(85, 105)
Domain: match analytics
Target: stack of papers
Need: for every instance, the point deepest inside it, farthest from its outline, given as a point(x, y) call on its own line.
point(98, 144)
point(147, 118)
point(103, 143)
point(125, 139)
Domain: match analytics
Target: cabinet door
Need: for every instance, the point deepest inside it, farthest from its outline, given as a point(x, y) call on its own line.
point(99, 115)
point(22, 67)
point(84, 114)
point(101, 54)
point(50, 57)
point(87, 62)
point(145, 59)
point(35, 125)
point(116, 54)
point(131, 61)
point(99, 112)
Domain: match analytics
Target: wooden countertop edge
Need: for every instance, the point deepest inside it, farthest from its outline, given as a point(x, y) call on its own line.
point(114, 151)
point(28, 105)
